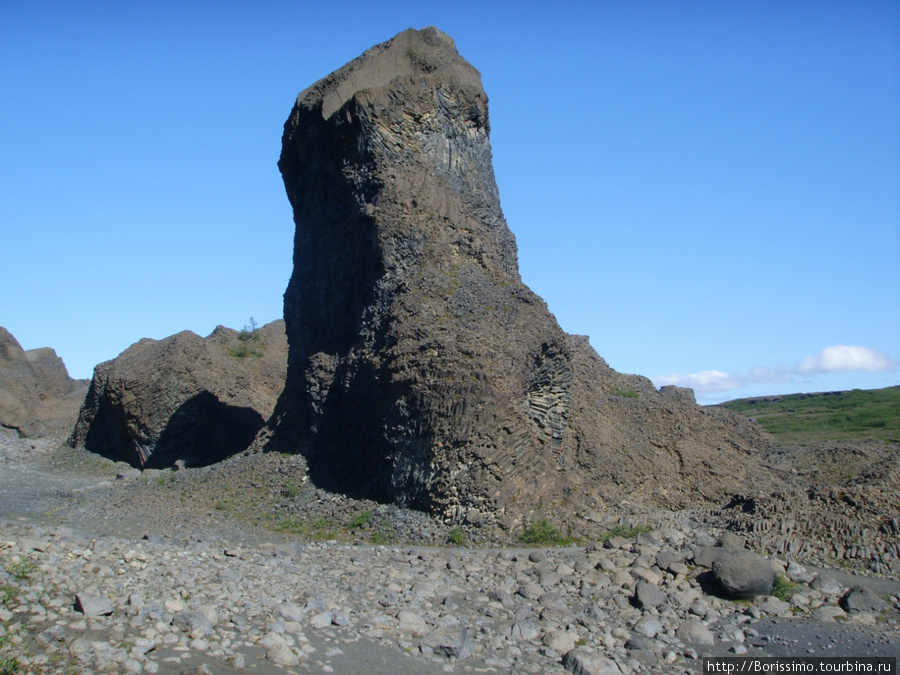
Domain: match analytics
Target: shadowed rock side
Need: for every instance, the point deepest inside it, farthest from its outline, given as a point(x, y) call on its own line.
point(37, 396)
point(184, 397)
point(421, 370)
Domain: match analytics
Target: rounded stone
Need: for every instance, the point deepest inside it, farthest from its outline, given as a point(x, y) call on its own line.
point(744, 574)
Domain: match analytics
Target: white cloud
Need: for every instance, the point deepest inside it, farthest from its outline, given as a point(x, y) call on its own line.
point(835, 359)
point(705, 381)
point(846, 359)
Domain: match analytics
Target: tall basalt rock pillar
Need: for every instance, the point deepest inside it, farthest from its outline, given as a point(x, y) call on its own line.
point(422, 371)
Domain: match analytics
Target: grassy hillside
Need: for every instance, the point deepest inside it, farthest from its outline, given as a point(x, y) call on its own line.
point(803, 419)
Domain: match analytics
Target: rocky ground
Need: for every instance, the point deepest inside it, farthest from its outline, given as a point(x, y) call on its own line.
point(235, 568)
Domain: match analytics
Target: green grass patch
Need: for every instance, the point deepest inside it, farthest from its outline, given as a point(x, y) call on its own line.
point(251, 347)
point(361, 519)
point(292, 525)
point(9, 665)
point(22, 570)
point(164, 478)
point(783, 588)
point(384, 534)
point(7, 593)
point(626, 393)
point(804, 419)
point(291, 491)
point(544, 533)
point(626, 531)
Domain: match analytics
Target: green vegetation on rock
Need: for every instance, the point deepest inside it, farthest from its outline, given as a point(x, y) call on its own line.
point(544, 533)
point(249, 342)
point(783, 588)
point(457, 537)
point(625, 531)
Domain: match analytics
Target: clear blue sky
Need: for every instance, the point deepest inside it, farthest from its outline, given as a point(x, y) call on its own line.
point(709, 190)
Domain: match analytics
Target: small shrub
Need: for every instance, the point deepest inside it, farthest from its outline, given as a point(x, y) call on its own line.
point(624, 531)
point(626, 393)
point(361, 519)
point(384, 534)
point(291, 491)
point(457, 536)
point(248, 332)
point(783, 588)
point(7, 593)
point(545, 533)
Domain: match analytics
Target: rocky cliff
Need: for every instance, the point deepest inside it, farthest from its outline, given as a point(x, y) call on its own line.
point(37, 396)
point(184, 397)
point(421, 369)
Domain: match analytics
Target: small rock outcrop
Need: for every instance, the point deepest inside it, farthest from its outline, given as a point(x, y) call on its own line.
point(184, 398)
point(37, 396)
point(422, 370)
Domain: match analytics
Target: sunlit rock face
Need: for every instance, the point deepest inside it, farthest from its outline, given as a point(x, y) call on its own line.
point(421, 369)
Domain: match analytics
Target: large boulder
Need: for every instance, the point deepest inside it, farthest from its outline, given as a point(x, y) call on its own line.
point(37, 396)
point(421, 370)
point(743, 574)
point(184, 398)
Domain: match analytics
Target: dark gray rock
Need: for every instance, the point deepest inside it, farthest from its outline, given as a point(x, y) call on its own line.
point(706, 556)
point(648, 595)
point(861, 599)
point(668, 557)
point(187, 398)
point(826, 584)
point(93, 604)
point(695, 631)
point(670, 391)
point(744, 574)
point(731, 541)
point(37, 396)
point(583, 661)
point(192, 621)
point(453, 641)
point(422, 371)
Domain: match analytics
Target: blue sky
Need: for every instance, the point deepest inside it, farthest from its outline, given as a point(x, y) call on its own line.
point(709, 190)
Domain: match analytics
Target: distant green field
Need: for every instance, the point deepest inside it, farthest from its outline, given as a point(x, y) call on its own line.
point(803, 419)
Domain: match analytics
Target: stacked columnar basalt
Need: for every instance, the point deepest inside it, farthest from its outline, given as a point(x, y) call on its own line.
point(421, 369)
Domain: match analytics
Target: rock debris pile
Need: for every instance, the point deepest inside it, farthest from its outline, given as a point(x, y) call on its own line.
point(635, 605)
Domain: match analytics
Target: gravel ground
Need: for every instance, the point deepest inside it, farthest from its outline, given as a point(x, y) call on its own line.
point(240, 567)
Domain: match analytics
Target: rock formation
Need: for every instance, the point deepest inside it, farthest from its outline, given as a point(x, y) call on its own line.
point(37, 396)
point(421, 369)
point(184, 397)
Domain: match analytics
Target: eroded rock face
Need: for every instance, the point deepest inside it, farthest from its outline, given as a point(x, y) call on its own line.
point(421, 369)
point(37, 396)
point(184, 397)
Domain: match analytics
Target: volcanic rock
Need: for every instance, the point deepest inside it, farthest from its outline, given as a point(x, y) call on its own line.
point(422, 370)
point(186, 398)
point(37, 396)
point(744, 574)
